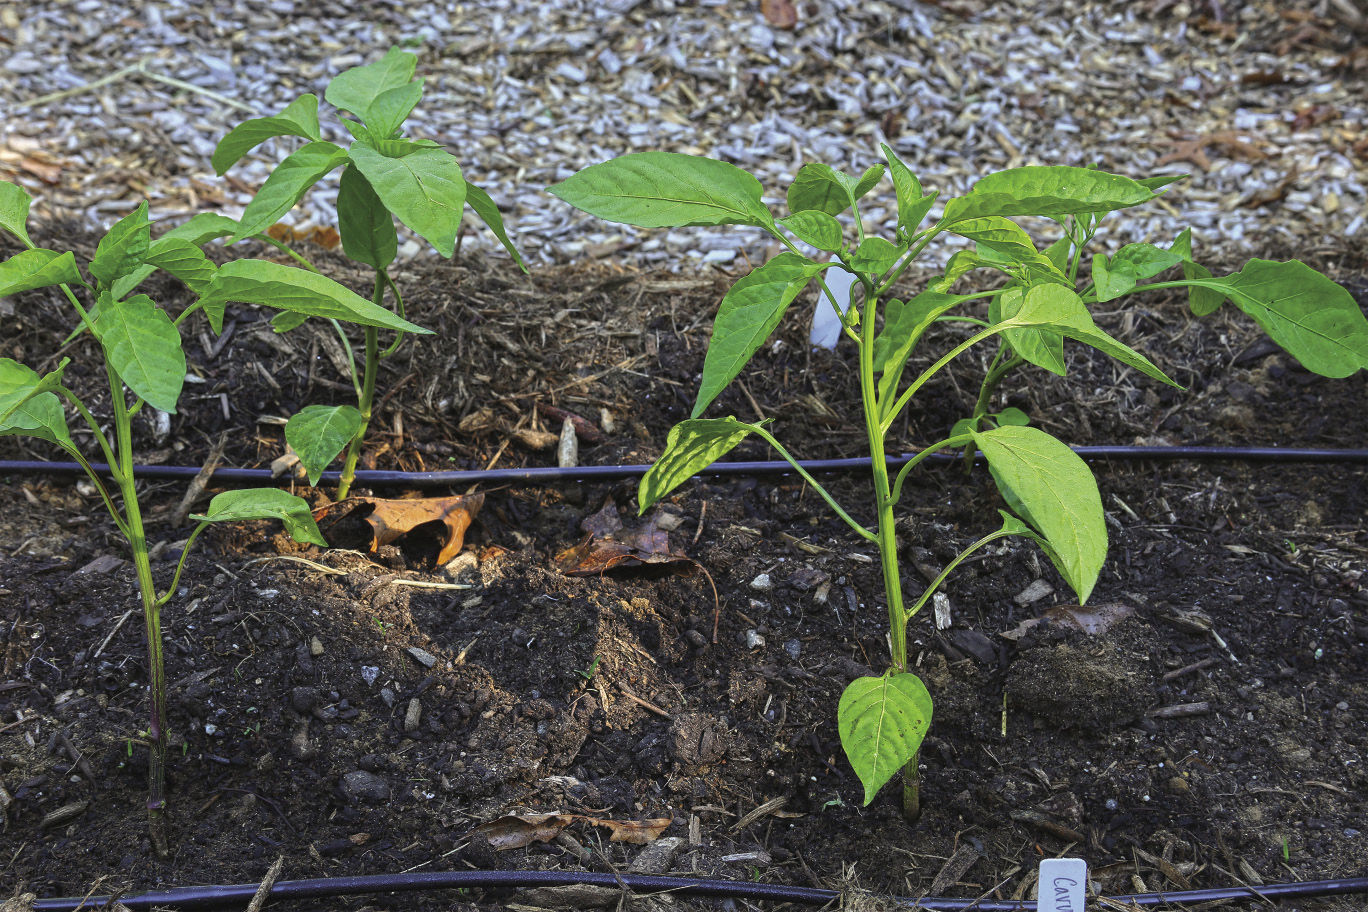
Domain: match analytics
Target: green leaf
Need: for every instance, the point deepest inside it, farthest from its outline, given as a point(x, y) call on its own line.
point(424, 189)
point(903, 326)
point(997, 233)
point(1133, 263)
point(27, 407)
point(1315, 320)
point(37, 268)
point(819, 188)
point(1061, 310)
point(815, 227)
point(366, 226)
point(319, 432)
point(390, 107)
point(398, 148)
point(1053, 191)
point(875, 256)
point(1049, 486)
point(908, 190)
point(299, 118)
point(265, 503)
point(747, 315)
point(144, 348)
point(485, 207)
point(14, 209)
point(666, 189)
point(183, 260)
point(286, 320)
point(355, 90)
point(882, 722)
point(198, 230)
point(1042, 347)
point(1201, 301)
point(1011, 417)
point(287, 185)
point(123, 248)
point(298, 291)
point(692, 446)
point(1160, 181)
point(868, 181)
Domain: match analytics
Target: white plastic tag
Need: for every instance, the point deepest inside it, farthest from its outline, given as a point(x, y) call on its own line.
point(1062, 883)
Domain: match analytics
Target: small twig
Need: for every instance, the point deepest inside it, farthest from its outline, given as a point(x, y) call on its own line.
point(644, 704)
point(264, 890)
point(1179, 710)
point(1188, 669)
point(106, 640)
point(424, 584)
point(139, 69)
point(5, 728)
point(195, 489)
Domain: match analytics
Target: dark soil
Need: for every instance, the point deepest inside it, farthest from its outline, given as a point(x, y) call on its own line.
point(1212, 738)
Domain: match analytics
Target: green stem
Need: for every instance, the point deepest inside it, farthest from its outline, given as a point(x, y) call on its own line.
point(957, 440)
point(367, 397)
point(949, 568)
point(399, 308)
point(997, 370)
point(180, 565)
point(930, 372)
point(285, 249)
point(912, 253)
point(765, 435)
point(137, 543)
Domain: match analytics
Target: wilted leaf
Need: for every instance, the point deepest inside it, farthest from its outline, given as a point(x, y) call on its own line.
point(636, 832)
point(1093, 621)
point(435, 524)
point(779, 13)
point(609, 545)
point(514, 831)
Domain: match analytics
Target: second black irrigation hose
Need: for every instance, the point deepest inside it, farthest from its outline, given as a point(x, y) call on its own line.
point(547, 475)
point(214, 897)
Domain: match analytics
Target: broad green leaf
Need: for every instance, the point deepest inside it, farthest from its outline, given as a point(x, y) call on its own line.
point(358, 131)
point(424, 189)
point(319, 432)
point(819, 188)
point(183, 260)
point(815, 227)
point(1132, 264)
point(882, 722)
point(299, 118)
point(398, 148)
point(1027, 269)
point(999, 233)
point(1317, 321)
point(1011, 417)
point(903, 326)
point(868, 181)
point(908, 190)
point(1160, 181)
point(198, 230)
point(265, 503)
point(1058, 253)
point(1042, 347)
point(28, 408)
point(298, 291)
point(390, 107)
point(37, 268)
point(1060, 310)
point(692, 446)
point(666, 189)
point(747, 315)
point(875, 256)
point(365, 225)
point(1201, 301)
point(485, 207)
point(14, 209)
point(123, 248)
point(1048, 485)
point(144, 348)
point(1053, 191)
point(355, 90)
point(286, 320)
point(287, 185)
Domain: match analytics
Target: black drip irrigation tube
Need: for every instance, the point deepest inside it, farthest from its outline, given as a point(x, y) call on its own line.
point(214, 897)
point(551, 475)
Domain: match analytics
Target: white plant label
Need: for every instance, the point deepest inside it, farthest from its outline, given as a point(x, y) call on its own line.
point(1062, 883)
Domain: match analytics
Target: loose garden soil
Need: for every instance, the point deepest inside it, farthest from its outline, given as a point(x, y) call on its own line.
point(1211, 737)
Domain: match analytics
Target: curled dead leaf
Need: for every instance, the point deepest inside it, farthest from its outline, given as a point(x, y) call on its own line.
point(1094, 620)
point(434, 527)
point(515, 831)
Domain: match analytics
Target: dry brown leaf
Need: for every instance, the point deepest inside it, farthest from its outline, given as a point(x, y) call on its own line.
point(1094, 620)
point(779, 13)
point(443, 519)
point(609, 545)
point(514, 831)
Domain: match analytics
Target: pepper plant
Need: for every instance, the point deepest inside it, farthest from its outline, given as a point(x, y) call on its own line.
point(139, 345)
point(385, 176)
point(1050, 494)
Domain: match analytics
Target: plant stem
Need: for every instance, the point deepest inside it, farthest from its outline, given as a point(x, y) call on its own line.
point(886, 538)
point(147, 590)
point(367, 397)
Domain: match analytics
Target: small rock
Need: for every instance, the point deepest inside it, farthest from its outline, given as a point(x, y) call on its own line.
point(1033, 593)
point(696, 639)
point(754, 640)
point(301, 748)
point(359, 785)
point(413, 715)
point(369, 674)
point(762, 583)
point(794, 648)
point(1178, 785)
point(422, 656)
point(389, 696)
point(315, 647)
point(658, 857)
point(303, 699)
point(464, 567)
point(940, 603)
